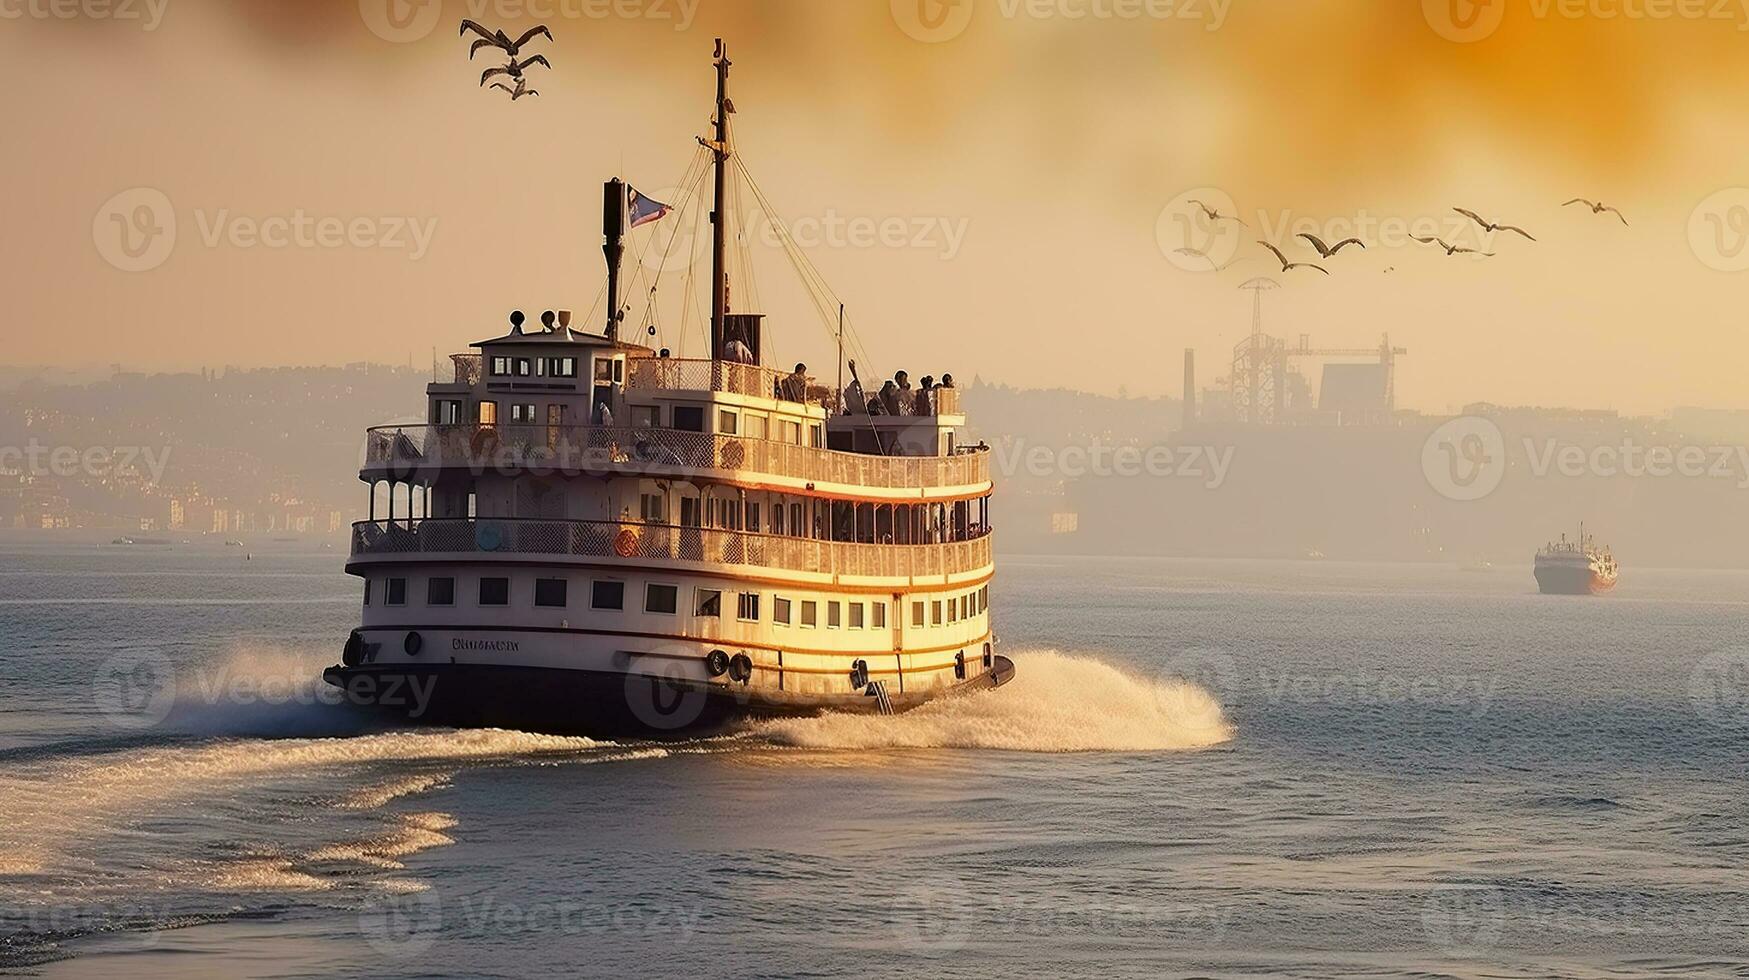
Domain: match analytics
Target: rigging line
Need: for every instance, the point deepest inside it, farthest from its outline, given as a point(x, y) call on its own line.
point(687, 200)
point(687, 180)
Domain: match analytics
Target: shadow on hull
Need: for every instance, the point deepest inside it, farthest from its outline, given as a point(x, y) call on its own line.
point(597, 704)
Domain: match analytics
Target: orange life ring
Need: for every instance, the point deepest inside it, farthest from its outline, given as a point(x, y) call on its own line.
point(626, 545)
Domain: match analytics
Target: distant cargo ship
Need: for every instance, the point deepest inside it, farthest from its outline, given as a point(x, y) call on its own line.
point(1576, 567)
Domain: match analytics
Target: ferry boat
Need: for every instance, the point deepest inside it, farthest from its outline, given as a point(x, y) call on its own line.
point(1576, 567)
point(591, 535)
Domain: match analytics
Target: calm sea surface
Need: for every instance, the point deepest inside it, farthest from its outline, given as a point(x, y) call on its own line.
point(1206, 769)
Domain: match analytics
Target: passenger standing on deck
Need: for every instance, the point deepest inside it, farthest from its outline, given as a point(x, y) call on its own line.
point(906, 405)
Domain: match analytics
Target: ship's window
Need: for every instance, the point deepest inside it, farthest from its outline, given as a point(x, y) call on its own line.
point(494, 592)
point(663, 599)
point(562, 367)
point(780, 611)
point(747, 610)
point(440, 592)
point(488, 413)
point(647, 416)
point(878, 615)
point(796, 527)
point(395, 592)
point(917, 614)
point(756, 425)
point(500, 367)
point(689, 418)
point(856, 613)
point(834, 615)
point(935, 613)
point(953, 610)
point(777, 518)
point(653, 508)
point(551, 593)
point(710, 603)
point(753, 517)
point(367, 587)
point(791, 432)
point(523, 368)
point(522, 415)
point(449, 412)
point(728, 423)
point(604, 370)
point(810, 613)
point(817, 436)
point(608, 595)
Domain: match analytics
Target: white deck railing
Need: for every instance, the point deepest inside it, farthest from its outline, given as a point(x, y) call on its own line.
point(643, 543)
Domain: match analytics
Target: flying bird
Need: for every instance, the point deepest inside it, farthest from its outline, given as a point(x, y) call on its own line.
point(514, 68)
point(1287, 266)
point(1197, 253)
point(499, 39)
point(1597, 207)
point(519, 91)
point(1213, 214)
point(1325, 251)
point(1491, 226)
point(1451, 249)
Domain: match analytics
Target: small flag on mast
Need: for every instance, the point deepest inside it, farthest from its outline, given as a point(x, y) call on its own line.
point(645, 209)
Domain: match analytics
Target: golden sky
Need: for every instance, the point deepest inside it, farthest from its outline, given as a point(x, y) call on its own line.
point(1029, 161)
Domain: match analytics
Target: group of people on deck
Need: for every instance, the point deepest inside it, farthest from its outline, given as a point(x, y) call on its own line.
point(897, 397)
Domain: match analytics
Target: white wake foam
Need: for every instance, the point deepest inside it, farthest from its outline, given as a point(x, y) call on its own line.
point(1057, 703)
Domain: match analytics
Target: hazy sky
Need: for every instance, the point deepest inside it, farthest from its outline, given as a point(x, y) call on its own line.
point(1023, 161)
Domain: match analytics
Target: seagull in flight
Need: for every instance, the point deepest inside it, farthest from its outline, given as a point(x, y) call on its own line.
point(514, 68)
point(1490, 226)
point(1597, 207)
point(1451, 249)
point(499, 39)
point(1214, 214)
point(1197, 253)
point(1287, 266)
point(1325, 251)
point(519, 91)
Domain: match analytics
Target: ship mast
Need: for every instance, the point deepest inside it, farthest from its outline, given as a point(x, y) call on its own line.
point(719, 220)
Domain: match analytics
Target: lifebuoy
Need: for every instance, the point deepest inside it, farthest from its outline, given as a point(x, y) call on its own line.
point(717, 663)
point(490, 537)
point(741, 668)
point(413, 644)
point(626, 544)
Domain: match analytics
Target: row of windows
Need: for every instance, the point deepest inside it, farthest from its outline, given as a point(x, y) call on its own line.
point(955, 609)
point(540, 367)
point(605, 595)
